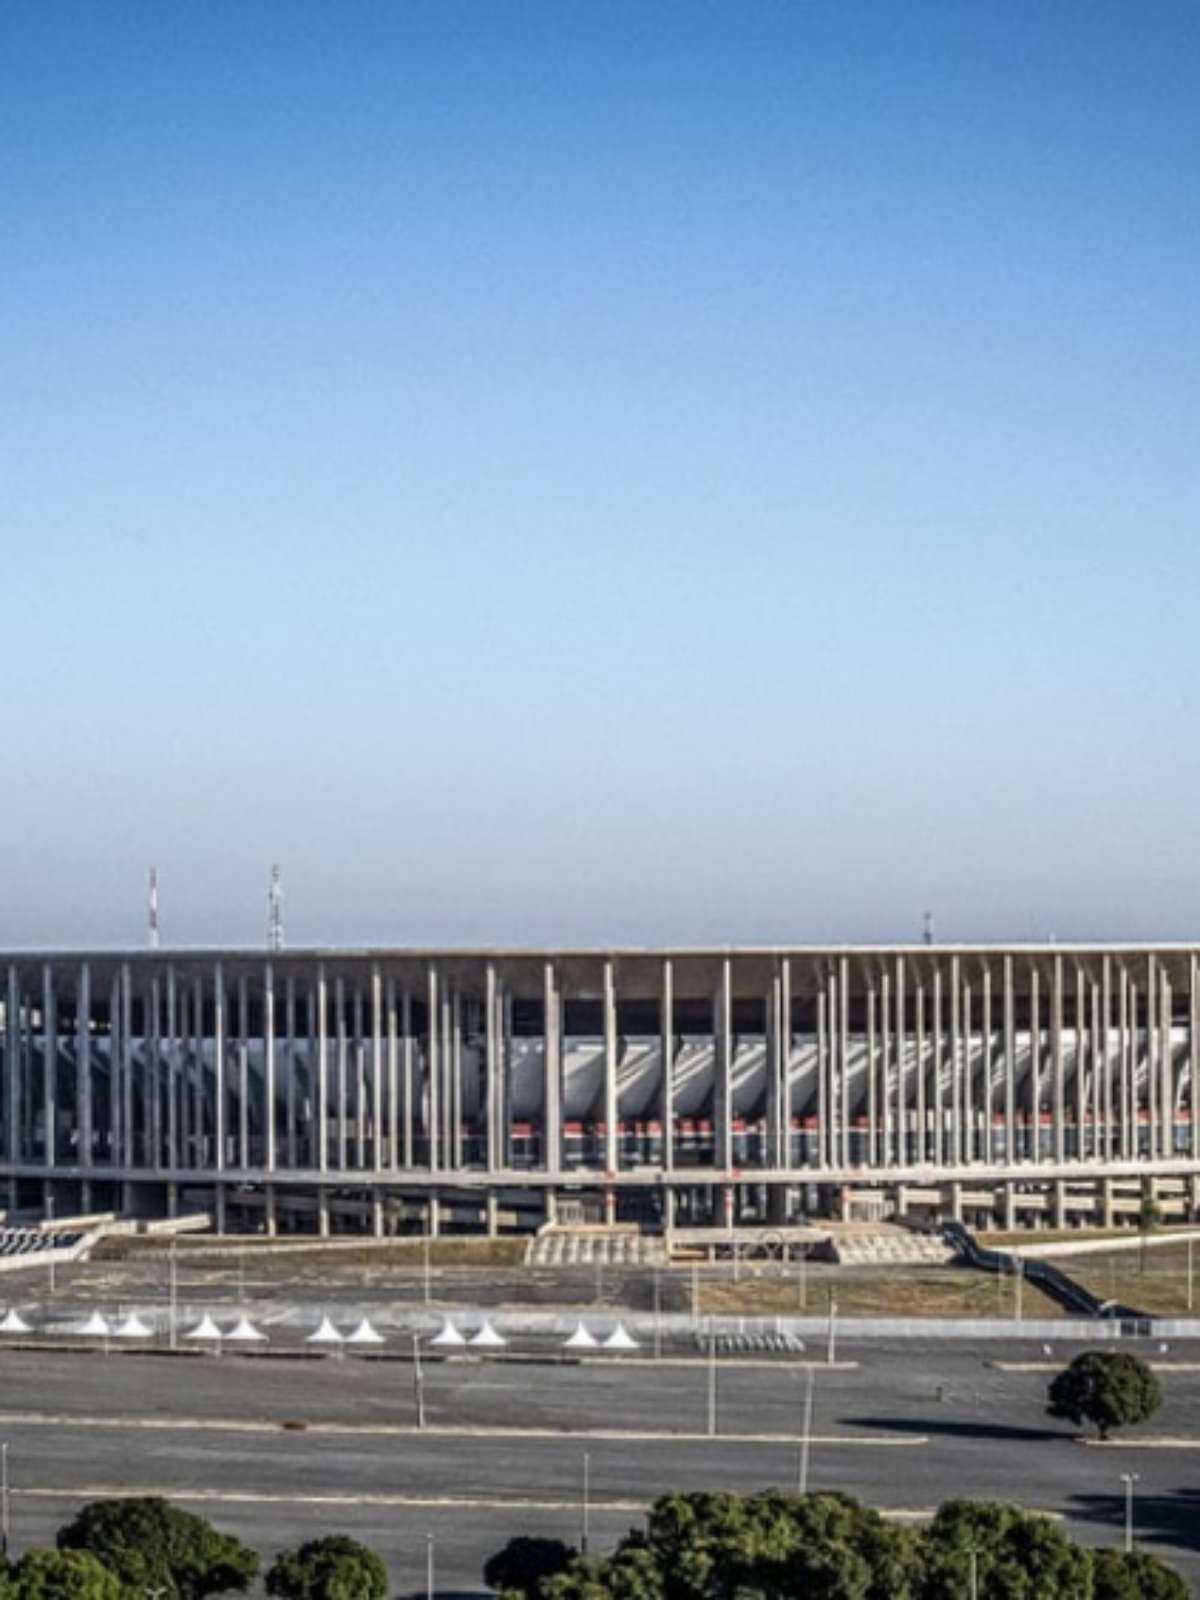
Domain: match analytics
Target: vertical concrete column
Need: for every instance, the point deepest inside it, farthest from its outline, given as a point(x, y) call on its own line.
point(1010, 1065)
point(189, 1155)
point(270, 1211)
point(323, 1082)
point(376, 1214)
point(172, 1199)
point(954, 1153)
point(83, 1056)
point(920, 1109)
point(1060, 1203)
point(456, 1077)
point(550, 1205)
point(1035, 1061)
point(218, 1076)
point(772, 1091)
point(1056, 1051)
point(901, 1054)
point(1096, 1081)
point(966, 1133)
point(243, 1028)
point(953, 1193)
point(49, 1064)
point(493, 1214)
point(885, 1068)
point(323, 1213)
point(785, 1061)
point(839, 1001)
point(219, 1217)
point(172, 1070)
point(152, 1038)
point(269, 1079)
point(610, 1068)
point(129, 1155)
point(1107, 1209)
point(839, 1059)
point(358, 1051)
point(290, 1086)
point(1084, 1068)
point(1167, 1058)
point(491, 1085)
point(1010, 1207)
point(12, 1048)
point(873, 1159)
point(340, 1073)
point(1105, 1037)
point(1194, 1053)
point(986, 1099)
point(723, 1097)
point(114, 1072)
point(406, 1062)
point(1151, 1037)
point(433, 1071)
point(393, 1075)
point(552, 1046)
point(377, 1073)
point(1128, 1103)
point(666, 1035)
point(939, 1106)
point(825, 1106)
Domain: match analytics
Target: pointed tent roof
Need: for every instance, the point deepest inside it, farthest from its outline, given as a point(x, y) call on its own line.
point(449, 1335)
point(364, 1334)
point(581, 1339)
point(618, 1339)
point(244, 1332)
point(206, 1328)
point(133, 1328)
point(94, 1327)
point(487, 1338)
point(326, 1334)
point(14, 1323)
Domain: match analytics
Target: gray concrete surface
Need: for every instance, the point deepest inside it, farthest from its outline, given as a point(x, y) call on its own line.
point(911, 1425)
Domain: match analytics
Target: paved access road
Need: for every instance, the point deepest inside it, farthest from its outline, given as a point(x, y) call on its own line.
point(503, 1451)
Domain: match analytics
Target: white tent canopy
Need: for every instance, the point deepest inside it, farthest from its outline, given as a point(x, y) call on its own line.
point(618, 1339)
point(244, 1332)
point(581, 1339)
point(133, 1328)
point(364, 1334)
point(326, 1334)
point(449, 1334)
point(94, 1328)
point(206, 1328)
point(487, 1338)
point(14, 1323)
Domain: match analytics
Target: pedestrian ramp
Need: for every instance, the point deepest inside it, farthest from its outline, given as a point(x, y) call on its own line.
point(594, 1247)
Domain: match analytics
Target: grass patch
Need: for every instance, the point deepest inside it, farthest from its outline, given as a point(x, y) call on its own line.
point(1154, 1279)
point(919, 1291)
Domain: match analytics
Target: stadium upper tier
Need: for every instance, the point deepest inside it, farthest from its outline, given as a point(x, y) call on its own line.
point(391, 1063)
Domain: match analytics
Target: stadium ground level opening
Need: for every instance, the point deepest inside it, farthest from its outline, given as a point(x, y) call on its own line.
point(399, 1091)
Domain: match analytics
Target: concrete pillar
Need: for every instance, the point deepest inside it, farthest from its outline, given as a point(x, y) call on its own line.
point(377, 1074)
point(491, 1069)
point(49, 1064)
point(12, 1074)
point(952, 1199)
point(1107, 1210)
point(1010, 1206)
point(722, 1089)
point(269, 1075)
point(954, 1154)
point(1194, 1058)
point(1194, 1196)
point(901, 1057)
point(552, 1046)
point(270, 1211)
point(83, 1056)
point(289, 1093)
point(920, 1112)
point(433, 1217)
point(219, 1207)
point(377, 1214)
point(1060, 1203)
point(407, 1048)
point(666, 1110)
point(610, 1069)
point(172, 1199)
point(218, 1074)
point(610, 1206)
point(339, 1068)
point(1035, 1063)
point(432, 1069)
point(887, 1154)
point(728, 1204)
point(939, 1116)
point(493, 1214)
point(393, 1075)
point(901, 1201)
point(668, 1214)
point(322, 1080)
point(322, 1213)
point(1010, 1065)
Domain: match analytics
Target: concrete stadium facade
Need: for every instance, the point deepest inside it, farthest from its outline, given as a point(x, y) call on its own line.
point(323, 1090)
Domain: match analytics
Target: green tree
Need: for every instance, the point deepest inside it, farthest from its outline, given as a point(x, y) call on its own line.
point(60, 1575)
point(334, 1568)
point(1117, 1576)
point(1017, 1555)
point(523, 1563)
point(1112, 1389)
point(150, 1544)
point(631, 1573)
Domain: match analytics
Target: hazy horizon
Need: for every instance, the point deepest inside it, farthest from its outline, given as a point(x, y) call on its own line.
point(558, 474)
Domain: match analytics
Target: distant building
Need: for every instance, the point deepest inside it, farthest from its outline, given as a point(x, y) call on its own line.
point(373, 1090)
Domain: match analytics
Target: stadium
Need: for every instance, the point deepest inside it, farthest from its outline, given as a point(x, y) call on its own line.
point(380, 1091)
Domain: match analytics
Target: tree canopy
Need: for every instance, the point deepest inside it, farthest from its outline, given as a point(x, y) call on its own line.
point(334, 1568)
point(60, 1575)
point(1018, 1555)
point(150, 1544)
point(524, 1562)
point(1109, 1388)
point(1117, 1576)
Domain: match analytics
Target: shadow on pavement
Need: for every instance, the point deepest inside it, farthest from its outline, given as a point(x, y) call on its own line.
point(1170, 1519)
point(952, 1430)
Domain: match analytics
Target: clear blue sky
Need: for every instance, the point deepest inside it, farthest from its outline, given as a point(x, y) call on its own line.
point(600, 472)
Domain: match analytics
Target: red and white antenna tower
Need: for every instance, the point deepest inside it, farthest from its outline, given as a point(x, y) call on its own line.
point(152, 910)
point(275, 911)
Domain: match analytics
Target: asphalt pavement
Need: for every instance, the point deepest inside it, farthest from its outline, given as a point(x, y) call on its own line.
point(278, 1450)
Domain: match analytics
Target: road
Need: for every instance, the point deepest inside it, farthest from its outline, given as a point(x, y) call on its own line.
point(912, 1424)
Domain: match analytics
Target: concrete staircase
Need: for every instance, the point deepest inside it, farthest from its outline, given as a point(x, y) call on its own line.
point(878, 1245)
point(594, 1247)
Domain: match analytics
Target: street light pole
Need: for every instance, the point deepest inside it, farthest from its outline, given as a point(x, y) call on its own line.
point(4, 1524)
point(418, 1381)
point(832, 1351)
point(1020, 1269)
point(50, 1218)
point(428, 1566)
point(806, 1436)
point(587, 1486)
point(973, 1554)
point(172, 1296)
point(712, 1380)
point(1129, 1479)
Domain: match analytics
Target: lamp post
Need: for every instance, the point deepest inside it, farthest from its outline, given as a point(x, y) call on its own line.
point(806, 1436)
point(172, 1295)
point(1129, 1479)
point(586, 1509)
point(418, 1381)
point(831, 1354)
point(973, 1557)
point(4, 1523)
point(50, 1219)
point(712, 1379)
point(428, 1566)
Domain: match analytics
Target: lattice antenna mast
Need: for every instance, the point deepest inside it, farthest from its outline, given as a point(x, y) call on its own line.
point(275, 911)
point(927, 933)
point(152, 911)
